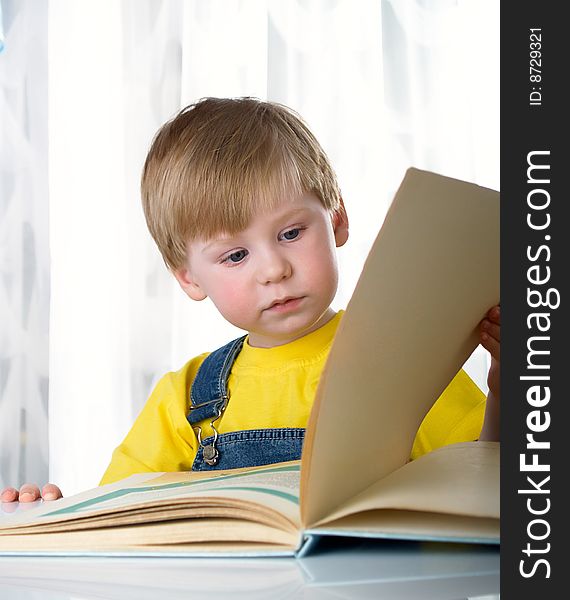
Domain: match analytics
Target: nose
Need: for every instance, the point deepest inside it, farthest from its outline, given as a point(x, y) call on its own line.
point(273, 268)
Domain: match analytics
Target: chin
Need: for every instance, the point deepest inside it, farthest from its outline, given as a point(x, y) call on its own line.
point(294, 330)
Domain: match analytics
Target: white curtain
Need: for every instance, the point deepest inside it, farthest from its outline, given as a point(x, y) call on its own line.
point(24, 243)
point(383, 84)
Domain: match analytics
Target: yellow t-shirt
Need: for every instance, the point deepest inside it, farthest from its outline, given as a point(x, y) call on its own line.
point(270, 388)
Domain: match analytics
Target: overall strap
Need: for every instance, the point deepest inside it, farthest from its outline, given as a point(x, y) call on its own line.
point(209, 395)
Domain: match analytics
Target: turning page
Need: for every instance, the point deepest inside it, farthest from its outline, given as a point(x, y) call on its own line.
point(432, 274)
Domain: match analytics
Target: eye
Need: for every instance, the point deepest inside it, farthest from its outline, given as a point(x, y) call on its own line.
point(291, 234)
point(235, 257)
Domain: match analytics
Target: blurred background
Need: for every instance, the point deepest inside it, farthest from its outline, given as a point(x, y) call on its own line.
point(89, 316)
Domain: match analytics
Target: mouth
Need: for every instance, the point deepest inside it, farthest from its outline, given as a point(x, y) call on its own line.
point(285, 304)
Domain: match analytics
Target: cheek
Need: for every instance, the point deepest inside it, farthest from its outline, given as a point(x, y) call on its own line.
point(322, 268)
point(232, 298)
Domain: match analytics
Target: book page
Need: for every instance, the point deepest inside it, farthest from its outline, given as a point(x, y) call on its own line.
point(423, 484)
point(191, 536)
point(268, 494)
point(412, 525)
point(431, 276)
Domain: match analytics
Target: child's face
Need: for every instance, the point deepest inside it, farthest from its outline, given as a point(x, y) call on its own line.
point(275, 279)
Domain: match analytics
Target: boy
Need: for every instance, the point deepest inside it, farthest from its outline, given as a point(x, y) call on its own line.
point(245, 209)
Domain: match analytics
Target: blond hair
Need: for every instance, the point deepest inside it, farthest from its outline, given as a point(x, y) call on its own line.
point(219, 161)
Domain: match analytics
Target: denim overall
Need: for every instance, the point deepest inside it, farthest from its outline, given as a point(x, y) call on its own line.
point(247, 448)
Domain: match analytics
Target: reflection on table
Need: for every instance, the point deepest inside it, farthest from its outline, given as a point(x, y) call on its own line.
point(338, 569)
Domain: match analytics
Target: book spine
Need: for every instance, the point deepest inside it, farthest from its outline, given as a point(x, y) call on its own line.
point(308, 542)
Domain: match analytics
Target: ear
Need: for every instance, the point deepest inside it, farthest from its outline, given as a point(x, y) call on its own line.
point(188, 284)
point(340, 225)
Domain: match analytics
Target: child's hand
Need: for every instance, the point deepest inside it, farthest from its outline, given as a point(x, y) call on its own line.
point(490, 336)
point(30, 492)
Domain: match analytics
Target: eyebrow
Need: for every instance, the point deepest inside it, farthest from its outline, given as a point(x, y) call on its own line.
point(216, 242)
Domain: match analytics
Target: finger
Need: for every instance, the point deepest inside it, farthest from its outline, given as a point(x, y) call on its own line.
point(494, 314)
point(9, 494)
point(492, 345)
point(51, 492)
point(492, 329)
point(29, 492)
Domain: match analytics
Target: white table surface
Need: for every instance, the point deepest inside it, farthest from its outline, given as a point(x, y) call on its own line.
point(350, 569)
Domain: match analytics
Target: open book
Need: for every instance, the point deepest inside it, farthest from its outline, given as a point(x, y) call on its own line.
point(431, 275)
